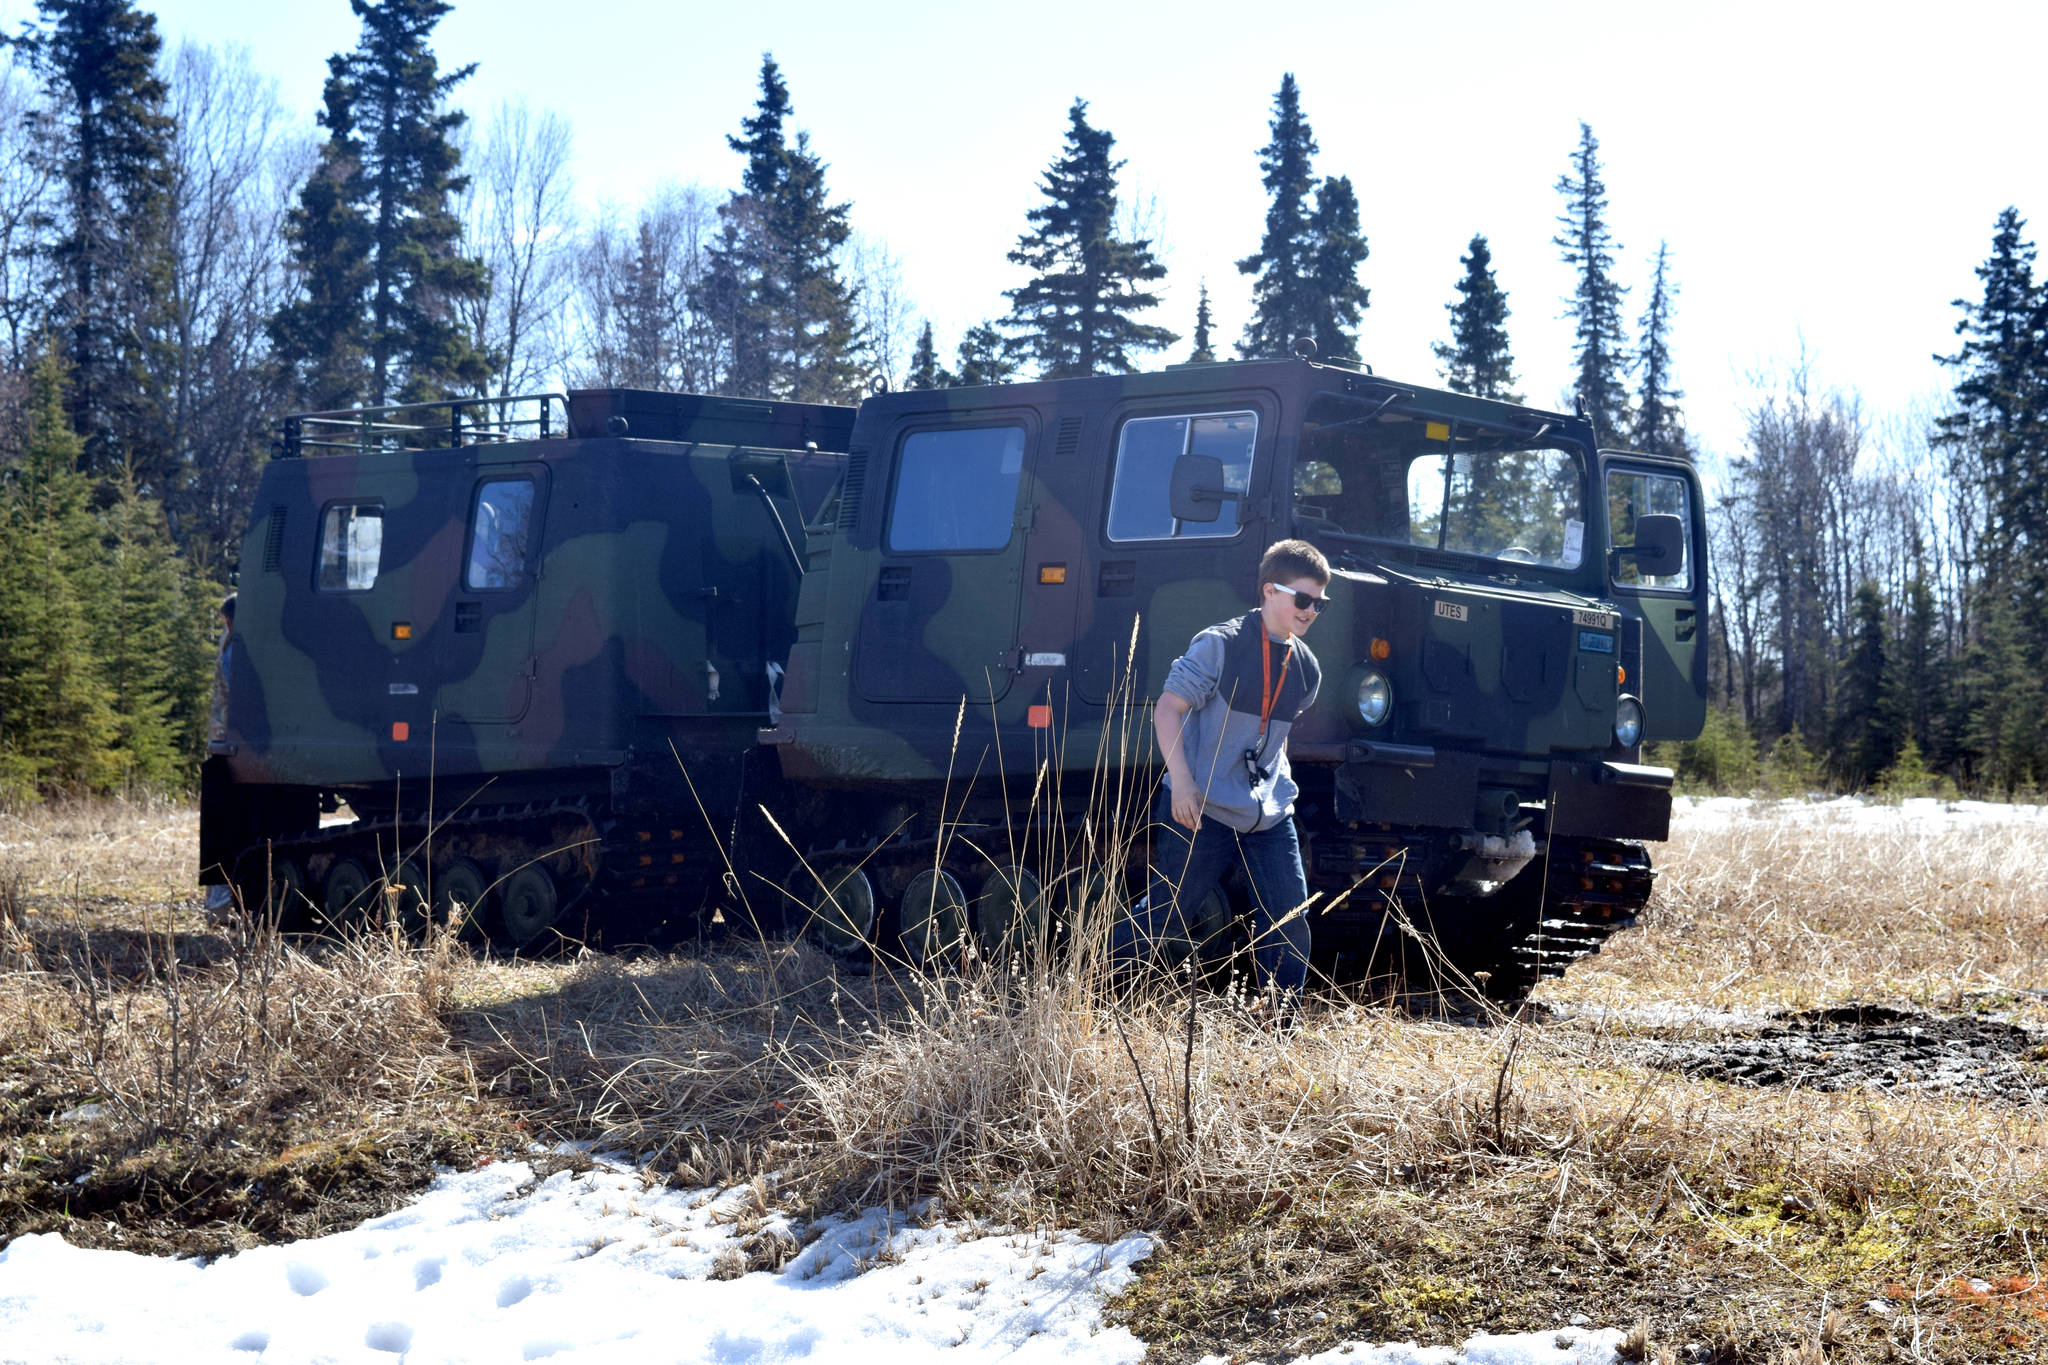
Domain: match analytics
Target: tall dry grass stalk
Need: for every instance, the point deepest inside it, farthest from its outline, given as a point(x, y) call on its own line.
point(1800, 909)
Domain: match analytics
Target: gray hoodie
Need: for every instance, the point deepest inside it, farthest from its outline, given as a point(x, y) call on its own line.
point(1220, 679)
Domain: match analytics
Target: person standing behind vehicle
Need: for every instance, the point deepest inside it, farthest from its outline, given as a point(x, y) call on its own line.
point(220, 898)
point(1222, 722)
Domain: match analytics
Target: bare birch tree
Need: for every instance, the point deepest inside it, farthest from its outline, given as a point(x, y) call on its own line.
point(519, 216)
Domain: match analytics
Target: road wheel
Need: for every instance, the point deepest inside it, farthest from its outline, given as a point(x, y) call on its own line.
point(1010, 914)
point(934, 920)
point(527, 906)
point(345, 899)
point(842, 918)
point(459, 895)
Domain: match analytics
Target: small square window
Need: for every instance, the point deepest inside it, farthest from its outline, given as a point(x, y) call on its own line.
point(351, 545)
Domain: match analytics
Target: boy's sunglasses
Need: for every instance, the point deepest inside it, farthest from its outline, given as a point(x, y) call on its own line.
point(1303, 601)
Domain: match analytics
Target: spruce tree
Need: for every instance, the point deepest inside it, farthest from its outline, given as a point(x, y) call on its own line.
point(924, 363)
point(138, 593)
point(104, 137)
point(1340, 249)
point(1659, 425)
point(56, 716)
point(1075, 315)
point(1476, 360)
point(374, 232)
point(1284, 294)
point(1866, 734)
point(1998, 435)
point(1595, 306)
point(772, 283)
point(1203, 353)
point(1914, 683)
point(984, 356)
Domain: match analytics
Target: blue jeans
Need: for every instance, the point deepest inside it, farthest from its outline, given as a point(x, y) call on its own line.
point(1185, 869)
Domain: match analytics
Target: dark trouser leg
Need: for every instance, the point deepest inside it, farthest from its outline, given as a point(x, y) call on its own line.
point(1272, 858)
point(1185, 869)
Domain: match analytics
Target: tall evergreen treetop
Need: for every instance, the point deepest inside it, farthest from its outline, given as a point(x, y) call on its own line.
point(773, 287)
point(1660, 426)
point(1340, 300)
point(1284, 302)
point(1074, 316)
point(1204, 321)
point(924, 362)
point(2001, 392)
point(1477, 360)
point(1595, 305)
point(374, 232)
point(985, 356)
point(104, 135)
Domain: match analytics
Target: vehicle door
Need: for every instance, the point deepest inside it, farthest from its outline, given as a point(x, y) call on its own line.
point(1157, 579)
point(1671, 598)
point(488, 678)
point(940, 620)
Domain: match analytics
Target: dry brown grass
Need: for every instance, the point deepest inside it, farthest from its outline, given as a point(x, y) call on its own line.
point(1393, 1175)
point(1802, 912)
point(137, 850)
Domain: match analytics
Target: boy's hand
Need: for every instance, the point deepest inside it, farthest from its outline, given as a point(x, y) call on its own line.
point(1187, 802)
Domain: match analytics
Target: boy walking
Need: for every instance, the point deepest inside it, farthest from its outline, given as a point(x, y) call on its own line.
point(1222, 723)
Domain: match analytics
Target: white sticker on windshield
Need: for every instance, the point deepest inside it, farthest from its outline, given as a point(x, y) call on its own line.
point(1574, 541)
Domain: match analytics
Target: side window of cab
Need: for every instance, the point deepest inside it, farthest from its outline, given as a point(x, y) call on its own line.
point(956, 490)
point(1140, 505)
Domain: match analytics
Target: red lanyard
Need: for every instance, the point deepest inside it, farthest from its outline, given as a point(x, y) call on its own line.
point(1269, 700)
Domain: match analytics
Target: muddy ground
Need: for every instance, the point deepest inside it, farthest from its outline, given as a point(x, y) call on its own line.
point(1869, 1046)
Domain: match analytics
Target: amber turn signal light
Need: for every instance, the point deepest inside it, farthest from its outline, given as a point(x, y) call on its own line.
point(401, 630)
point(1380, 649)
point(1620, 676)
point(1052, 573)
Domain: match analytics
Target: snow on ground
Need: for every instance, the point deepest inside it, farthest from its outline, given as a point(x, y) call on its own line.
point(1919, 815)
point(491, 1265)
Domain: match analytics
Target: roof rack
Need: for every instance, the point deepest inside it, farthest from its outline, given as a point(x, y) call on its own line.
point(442, 425)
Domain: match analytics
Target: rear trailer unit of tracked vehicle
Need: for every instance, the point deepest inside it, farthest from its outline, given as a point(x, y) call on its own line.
point(526, 644)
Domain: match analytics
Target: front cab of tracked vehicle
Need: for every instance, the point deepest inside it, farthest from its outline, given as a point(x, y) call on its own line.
point(1007, 573)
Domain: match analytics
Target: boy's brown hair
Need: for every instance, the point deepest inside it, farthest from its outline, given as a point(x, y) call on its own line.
point(1287, 560)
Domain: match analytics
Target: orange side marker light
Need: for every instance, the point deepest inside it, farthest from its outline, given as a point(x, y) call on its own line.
point(1039, 717)
point(400, 732)
point(401, 630)
point(1380, 649)
point(1052, 573)
point(1620, 676)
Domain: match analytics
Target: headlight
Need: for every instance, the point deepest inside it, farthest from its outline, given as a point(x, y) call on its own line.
point(1628, 722)
point(1375, 698)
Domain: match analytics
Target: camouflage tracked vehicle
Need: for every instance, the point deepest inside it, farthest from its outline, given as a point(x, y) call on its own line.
point(509, 647)
point(556, 648)
point(1515, 612)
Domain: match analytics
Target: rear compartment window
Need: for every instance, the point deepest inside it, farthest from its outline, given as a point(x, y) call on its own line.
point(351, 545)
point(500, 535)
point(1631, 495)
point(1140, 506)
point(957, 490)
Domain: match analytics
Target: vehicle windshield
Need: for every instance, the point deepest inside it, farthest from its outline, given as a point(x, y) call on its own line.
point(1438, 485)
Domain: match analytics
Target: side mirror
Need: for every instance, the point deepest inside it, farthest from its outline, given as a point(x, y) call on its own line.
point(1660, 544)
point(1196, 489)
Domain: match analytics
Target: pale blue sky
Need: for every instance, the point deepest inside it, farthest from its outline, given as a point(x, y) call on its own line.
point(1825, 171)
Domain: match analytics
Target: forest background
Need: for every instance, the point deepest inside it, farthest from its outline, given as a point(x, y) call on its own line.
point(183, 258)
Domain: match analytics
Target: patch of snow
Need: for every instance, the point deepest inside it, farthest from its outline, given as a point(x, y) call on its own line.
point(490, 1265)
point(1919, 815)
